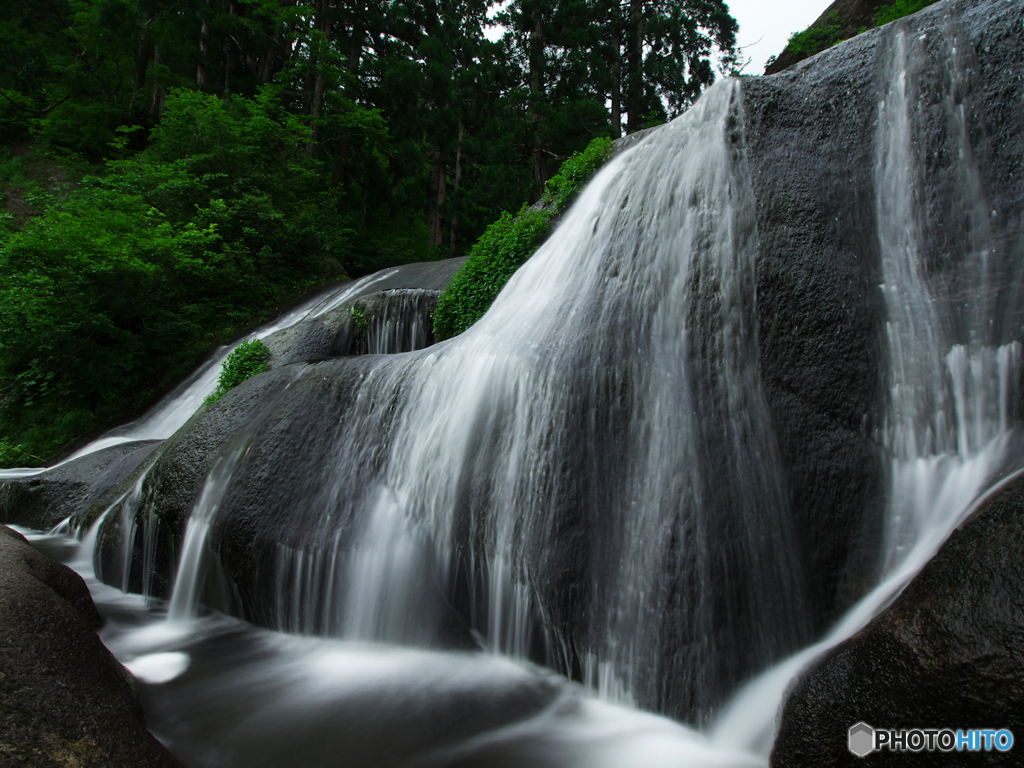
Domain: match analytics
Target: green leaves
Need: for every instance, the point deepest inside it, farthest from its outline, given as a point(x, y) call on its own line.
point(576, 172)
point(898, 10)
point(504, 247)
point(92, 293)
point(244, 362)
point(509, 242)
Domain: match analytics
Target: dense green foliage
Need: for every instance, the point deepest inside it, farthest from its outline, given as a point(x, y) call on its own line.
point(899, 9)
point(171, 170)
point(576, 172)
point(818, 37)
point(508, 243)
point(815, 39)
point(244, 362)
point(116, 286)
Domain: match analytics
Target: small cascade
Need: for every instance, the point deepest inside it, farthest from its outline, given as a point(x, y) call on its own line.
point(398, 321)
point(195, 560)
point(199, 580)
point(951, 385)
point(118, 568)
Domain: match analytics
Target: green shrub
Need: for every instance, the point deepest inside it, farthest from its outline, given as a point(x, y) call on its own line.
point(576, 172)
point(244, 362)
point(816, 39)
point(899, 9)
point(509, 242)
point(502, 249)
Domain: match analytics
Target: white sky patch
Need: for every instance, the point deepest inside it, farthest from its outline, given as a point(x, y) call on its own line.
point(765, 27)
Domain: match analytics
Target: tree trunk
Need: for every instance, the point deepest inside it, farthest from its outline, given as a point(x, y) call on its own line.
point(156, 104)
point(341, 157)
point(268, 66)
point(616, 94)
point(453, 240)
point(635, 59)
point(316, 105)
point(204, 50)
point(141, 64)
point(438, 184)
point(229, 53)
point(539, 162)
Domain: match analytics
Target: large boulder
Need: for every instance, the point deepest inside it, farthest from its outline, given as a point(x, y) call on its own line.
point(948, 653)
point(387, 312)
point(810, 137)
point(64, 699)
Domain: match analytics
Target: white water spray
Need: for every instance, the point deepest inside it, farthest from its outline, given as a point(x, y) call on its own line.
point(949, 403)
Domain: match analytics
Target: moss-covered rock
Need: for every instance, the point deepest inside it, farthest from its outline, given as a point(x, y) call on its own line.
point(840, 21)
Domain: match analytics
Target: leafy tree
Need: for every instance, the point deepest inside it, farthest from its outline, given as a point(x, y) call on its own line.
point(93, 299)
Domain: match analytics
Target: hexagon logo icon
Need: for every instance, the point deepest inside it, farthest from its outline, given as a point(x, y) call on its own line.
point(861, 739)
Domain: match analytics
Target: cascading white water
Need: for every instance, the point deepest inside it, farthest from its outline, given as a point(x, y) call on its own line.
point(951, 386)
point(192, 563)
point(400, 323)
point(592, 465)
point(595, 463)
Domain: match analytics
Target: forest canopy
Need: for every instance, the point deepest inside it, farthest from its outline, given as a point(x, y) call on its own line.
point(171, 169)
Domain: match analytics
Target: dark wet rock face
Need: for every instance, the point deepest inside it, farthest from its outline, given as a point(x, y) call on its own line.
point(949, 653)
point(811, 137)
point(169, 487)
point(821, 315)
point(64, 699)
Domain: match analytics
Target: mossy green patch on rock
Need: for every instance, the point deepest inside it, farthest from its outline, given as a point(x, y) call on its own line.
point(509, 242)
point(841, 21)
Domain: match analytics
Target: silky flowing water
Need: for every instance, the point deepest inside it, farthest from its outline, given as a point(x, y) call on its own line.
point(611, 392)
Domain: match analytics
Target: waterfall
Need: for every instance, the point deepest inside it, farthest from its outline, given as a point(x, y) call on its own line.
point(952, 383)
point(587, 477)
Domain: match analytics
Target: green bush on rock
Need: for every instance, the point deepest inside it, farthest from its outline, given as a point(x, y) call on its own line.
point(509, 242)
point(818, 37)
point(244, 362)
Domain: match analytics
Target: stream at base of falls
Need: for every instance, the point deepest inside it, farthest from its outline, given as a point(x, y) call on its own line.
point(221, 692)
